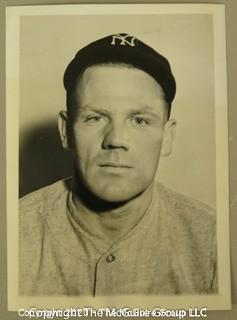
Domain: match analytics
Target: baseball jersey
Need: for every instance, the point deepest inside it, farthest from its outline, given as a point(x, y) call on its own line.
point(171, 250)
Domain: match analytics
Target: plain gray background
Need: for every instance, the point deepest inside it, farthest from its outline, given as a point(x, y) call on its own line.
point(231, 10)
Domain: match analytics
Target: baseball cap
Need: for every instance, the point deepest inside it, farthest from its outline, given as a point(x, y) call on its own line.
point(122, 48)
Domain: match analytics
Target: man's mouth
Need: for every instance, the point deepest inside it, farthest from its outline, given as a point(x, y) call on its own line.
point(115, 165)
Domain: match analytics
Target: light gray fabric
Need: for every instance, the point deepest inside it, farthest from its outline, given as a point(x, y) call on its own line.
point(172, 250)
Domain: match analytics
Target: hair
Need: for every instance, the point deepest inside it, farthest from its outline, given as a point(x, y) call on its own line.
point(71, 103)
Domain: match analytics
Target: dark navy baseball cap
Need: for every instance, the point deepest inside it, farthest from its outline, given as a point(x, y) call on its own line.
point(122, 48)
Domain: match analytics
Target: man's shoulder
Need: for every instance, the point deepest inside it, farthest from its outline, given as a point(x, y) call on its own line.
point(183, 202)
point(39, 206)
point(190, 226)
point(187, 210)
point(39, 200)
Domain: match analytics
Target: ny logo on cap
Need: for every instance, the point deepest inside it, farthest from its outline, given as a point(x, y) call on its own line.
point(124, 39)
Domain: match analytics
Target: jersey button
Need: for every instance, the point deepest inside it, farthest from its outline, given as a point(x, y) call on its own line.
point(110, 258)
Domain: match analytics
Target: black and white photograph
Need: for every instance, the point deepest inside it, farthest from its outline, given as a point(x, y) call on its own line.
point(118, 117)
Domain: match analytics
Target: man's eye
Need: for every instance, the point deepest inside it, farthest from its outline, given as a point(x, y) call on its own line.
point(93, 118)
point(140, 121)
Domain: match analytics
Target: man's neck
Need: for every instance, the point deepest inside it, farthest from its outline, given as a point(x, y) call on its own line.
point(111, 220)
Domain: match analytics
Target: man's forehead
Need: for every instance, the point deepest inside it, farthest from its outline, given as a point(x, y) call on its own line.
point(100, 67)
point(108, 66)
point(120, 89)
point(117, 76)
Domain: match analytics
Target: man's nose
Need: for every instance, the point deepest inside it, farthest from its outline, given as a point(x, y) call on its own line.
point(115, 137)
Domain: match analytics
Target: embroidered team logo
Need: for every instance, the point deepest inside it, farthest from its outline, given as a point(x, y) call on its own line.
point(123, 40)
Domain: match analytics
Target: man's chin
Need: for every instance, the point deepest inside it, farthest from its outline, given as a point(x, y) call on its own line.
point(116, 195)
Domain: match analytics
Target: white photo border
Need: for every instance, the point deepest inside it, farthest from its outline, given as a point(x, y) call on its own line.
point(212, 302)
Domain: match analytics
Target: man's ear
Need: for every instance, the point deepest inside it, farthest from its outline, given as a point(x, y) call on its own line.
point(63, 126)
point(168, 137)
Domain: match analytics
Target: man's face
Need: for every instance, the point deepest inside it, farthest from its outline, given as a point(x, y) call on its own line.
point(119, 131)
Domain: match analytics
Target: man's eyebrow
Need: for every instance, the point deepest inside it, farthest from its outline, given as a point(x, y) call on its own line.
point(88, 107)
point(146, 110)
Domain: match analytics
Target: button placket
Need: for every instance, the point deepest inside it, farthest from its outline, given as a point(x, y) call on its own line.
point(110, 258)
point(104, 273)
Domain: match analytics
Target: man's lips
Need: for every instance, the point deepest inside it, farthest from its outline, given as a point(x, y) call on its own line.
point(115, 165)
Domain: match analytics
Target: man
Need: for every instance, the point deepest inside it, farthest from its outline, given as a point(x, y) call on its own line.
point(112, 229)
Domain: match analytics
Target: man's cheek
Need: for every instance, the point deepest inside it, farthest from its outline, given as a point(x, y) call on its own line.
point(86, 160)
